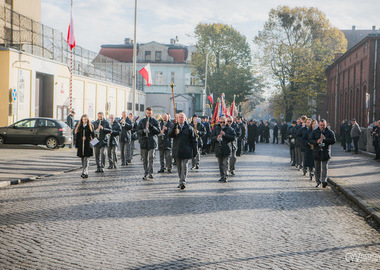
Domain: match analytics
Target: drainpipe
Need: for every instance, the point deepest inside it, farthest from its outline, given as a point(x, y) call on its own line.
point(374, 84)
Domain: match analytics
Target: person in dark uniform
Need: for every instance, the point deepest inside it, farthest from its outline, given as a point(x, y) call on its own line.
point(113, 142)
point(200, 132)
point(85, 133)
point(252, 133)
point(343, 130)
point(260, 131)
point(241, 138)
point(375, 139)
point(292, 142)
point(321, 138)
point(184, 146)
point(125, 137)
point(147, 130)
point(284, 130)
point(102, 128)
point(207, 137)
point(298, 143)
point(223, 135)
point(308, 161)
point(275, 133)
point(236, 128)
point(266, 132)
point(71, 123)
point(165, 145)
point(302, 146)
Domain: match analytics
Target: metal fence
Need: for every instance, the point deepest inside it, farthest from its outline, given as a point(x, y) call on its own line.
point(24, 34)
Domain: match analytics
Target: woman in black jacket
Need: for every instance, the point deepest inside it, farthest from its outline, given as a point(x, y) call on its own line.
point(308, 161)
point(85, 133)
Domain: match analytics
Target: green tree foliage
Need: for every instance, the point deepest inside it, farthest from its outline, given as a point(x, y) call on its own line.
point(229, 62)
point(296, 45)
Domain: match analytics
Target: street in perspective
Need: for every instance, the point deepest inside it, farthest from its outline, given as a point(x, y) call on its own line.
point(163, 135)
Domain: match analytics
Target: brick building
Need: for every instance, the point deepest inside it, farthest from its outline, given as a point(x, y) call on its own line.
point(353, 81)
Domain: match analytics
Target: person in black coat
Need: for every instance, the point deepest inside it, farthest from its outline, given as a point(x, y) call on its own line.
point(266, 132)
point(343, 130)
point(236, 128)
point(223, 136)
point(302, 145)
point(85, 133)
point(308, 161)
point(375, 139)
point(252, 134)
point(147, 130)
point(165, 144)
point(113, 142)
point(241, 138)
point(275, 133)
point(200, 132)
point(321, 138)
point(284, 132)
point(71, 123)
point(125, 137)
point(292, 142)
point(260, 131)
point(184, 146)
point(102, 128)
point(207, 137)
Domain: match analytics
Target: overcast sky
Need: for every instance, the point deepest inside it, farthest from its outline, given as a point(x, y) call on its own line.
point(100, 22)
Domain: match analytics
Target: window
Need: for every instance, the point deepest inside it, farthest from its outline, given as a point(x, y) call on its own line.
point(142, 107)
point(129, 106)
point(136, 106)
point(26, 124)
point(45, 123)
point(158, 56)
point(159, 78)
point(193, 80)
point(172, 77)
point(147, 55)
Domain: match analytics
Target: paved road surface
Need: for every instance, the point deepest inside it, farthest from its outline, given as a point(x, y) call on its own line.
point(267, 217)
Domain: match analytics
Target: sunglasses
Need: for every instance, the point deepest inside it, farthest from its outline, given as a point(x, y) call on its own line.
point(229, 121)
point(221, 122)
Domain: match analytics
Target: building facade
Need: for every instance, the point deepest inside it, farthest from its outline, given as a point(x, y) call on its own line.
point(353, 83)
point(169, 63)
point(35, 74)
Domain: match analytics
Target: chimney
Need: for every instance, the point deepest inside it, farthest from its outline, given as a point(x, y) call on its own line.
point(353, 28)
point(172, 41)
point(127, 41)
point(374, 28)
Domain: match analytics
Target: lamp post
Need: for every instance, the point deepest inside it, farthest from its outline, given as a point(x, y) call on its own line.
point(134, 63)
point(205, 90)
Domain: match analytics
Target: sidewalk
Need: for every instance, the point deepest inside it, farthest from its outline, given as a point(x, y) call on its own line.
point(358, 177)
point(24, 163)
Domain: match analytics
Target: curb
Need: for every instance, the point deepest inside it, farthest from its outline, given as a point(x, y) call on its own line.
point(4, 184)
point(355, 199)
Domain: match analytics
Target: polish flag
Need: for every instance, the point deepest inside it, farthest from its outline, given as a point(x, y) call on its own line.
point(211, 98)
point(70, 33)
point(145, 72)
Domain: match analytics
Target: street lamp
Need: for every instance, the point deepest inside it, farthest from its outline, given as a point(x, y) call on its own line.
point(134, 63)
point(205, 90)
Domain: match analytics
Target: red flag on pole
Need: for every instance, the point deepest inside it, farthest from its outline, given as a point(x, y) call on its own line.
point(145, 72)
point(215, 118)
point(70, 33)
point(232, 111)
point(211, 98)
point(224, 108)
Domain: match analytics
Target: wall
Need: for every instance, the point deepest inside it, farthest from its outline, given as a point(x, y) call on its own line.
point(18, 71)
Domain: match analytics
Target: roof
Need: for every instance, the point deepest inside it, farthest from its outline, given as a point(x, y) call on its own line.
point(119, 54)
point(370, 36)
point(355, 36)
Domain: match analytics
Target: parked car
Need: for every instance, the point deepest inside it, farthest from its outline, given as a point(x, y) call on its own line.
point(53, 133)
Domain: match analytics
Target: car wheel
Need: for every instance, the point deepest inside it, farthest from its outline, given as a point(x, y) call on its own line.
point(2, 141)
point(51, 142)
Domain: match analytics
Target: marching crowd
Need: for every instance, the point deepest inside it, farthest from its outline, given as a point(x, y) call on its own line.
point(180, 141)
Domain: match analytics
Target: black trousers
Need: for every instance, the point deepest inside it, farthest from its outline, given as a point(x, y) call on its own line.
point(356, 144)
point(251, 145)
point(239, 143)
point(377, 150)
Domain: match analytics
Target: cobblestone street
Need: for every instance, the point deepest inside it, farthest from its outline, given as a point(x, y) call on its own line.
point(268, 216)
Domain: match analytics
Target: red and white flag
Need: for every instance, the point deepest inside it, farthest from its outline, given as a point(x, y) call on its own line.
point(145, 72)
point(70, 33)
point(211, 98)
point(232, 110)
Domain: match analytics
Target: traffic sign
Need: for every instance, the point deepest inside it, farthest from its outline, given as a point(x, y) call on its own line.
point(282, 116)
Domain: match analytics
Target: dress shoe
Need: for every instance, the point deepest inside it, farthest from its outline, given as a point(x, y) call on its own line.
point(86, 176)
point(197, 166)
point(101, 170)
point(83, 175)
point(317, 185)
point(232, 172)
point(110, 167)
point(324, 184)
point(182, 186)
point(161, 171)
point(170, 171)
point(293, 164)
point(145, 178)
point(151, 176)
point(97, 170)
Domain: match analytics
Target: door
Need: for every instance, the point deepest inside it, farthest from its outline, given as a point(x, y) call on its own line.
point(39, 89)
point(22, 132)
point(44, 129)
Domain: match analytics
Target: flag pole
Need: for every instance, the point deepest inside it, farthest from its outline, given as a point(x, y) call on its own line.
point(71, 69)
point(134, 63)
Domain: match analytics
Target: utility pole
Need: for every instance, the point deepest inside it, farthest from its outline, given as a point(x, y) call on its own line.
point(134, 64)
